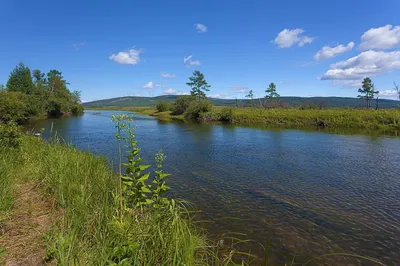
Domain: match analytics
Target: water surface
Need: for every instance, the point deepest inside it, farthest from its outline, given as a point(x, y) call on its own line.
point(307, 193)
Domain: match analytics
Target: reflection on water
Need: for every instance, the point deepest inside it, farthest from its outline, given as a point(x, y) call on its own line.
point(308, 193)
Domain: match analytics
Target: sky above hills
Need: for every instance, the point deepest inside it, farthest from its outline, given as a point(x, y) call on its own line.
point(118, 48)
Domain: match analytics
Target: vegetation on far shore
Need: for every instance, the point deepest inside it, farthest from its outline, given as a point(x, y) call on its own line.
point(29, 95)
point(274, 112)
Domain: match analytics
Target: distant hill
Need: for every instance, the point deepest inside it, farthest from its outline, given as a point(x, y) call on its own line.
point(134, 101)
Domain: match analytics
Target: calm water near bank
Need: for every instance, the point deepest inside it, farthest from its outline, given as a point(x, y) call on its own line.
point(307, 193)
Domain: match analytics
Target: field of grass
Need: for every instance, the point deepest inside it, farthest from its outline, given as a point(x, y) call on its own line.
point(383, 120)
point(387, 120)
point(86, 229)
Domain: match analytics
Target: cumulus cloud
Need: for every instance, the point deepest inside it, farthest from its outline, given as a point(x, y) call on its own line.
point(183, 93)
point(367, 63)
point(287, 38)
point(201, 28)
point(170, 91)
point(239, 89)
point(187, 60)
point(149, 85)
point(130, 57)
point(385, 37)
point(328, 52)
point(389, 94)
point(166, 75)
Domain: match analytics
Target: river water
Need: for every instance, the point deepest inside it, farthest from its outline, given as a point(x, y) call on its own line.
point(304, 193)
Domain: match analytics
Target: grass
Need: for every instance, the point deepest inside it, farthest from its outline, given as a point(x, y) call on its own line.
point(387, 120)
point(85, 231)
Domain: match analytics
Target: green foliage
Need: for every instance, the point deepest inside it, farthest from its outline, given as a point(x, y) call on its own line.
point(181, 104)
point(159, 187)
point(162, 106)
point(2, 87)
point(198, 85)
point(367, 91)
point(226, 114)
point(376, 120)
point(10, 135)
point(271, 91)
point(250, 95)
point(12, 106)
point(20, 80)
point(197, 108)
point(40, 97)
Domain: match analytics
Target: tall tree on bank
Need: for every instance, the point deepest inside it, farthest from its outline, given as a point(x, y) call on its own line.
point(20, 80)
point(271, 92)
point(367, 91)
point(198, 85)
point(250, 95)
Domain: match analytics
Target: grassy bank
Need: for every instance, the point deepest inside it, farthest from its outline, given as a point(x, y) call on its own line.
point(346, 118)
point(86, 229)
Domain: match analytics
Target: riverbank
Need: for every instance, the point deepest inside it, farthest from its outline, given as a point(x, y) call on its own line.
point(75, 206)
point(345, 118)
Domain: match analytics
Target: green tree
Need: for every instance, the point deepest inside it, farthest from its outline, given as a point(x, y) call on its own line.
point(271, 91)
point(20, 80)
point(76, 96)
point(250, 95)
point(2, 87)
point(198, 85)
point(367, 91)
point(38, 78)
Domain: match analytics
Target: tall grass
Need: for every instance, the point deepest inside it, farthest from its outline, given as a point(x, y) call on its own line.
point(82, 187)
point(297, 118)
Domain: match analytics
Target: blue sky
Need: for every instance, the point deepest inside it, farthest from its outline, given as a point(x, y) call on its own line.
point(118, 48)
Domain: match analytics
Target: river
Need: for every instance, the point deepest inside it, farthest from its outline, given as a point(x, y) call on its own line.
point(305, 193)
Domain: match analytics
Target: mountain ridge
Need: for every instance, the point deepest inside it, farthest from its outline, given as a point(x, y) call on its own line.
point(293, 101)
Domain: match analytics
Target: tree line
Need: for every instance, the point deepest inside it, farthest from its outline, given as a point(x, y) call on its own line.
point(36, 94)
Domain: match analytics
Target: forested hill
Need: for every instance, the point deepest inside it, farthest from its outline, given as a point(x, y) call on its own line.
point(134, 101)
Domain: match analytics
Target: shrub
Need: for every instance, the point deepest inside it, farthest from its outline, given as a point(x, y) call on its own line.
point(12, 106)
point(77, 109)
point(181, 104)
point(10, 135)
point(197, 108)
point(226, 114)
point(162, 106)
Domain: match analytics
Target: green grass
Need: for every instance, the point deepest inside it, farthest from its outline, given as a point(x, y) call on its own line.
point(86, 231)
point(384, 120)
point(387, 120)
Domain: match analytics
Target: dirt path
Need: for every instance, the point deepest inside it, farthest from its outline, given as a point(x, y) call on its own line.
point(22, 235)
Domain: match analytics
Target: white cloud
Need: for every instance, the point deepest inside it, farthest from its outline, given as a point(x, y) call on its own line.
point(166, 75)
point(183, 93)
point(385, 37)
point(328, 52)
point(389, 94)
point(239, 89)
point(149, 85)
point(287, 38)
point(221, 95)
point(170, 91)
point(201, 28)
point(158, 85)
point(79, 45)
point(187, 60)
point(130, 57)
point(367, 63)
